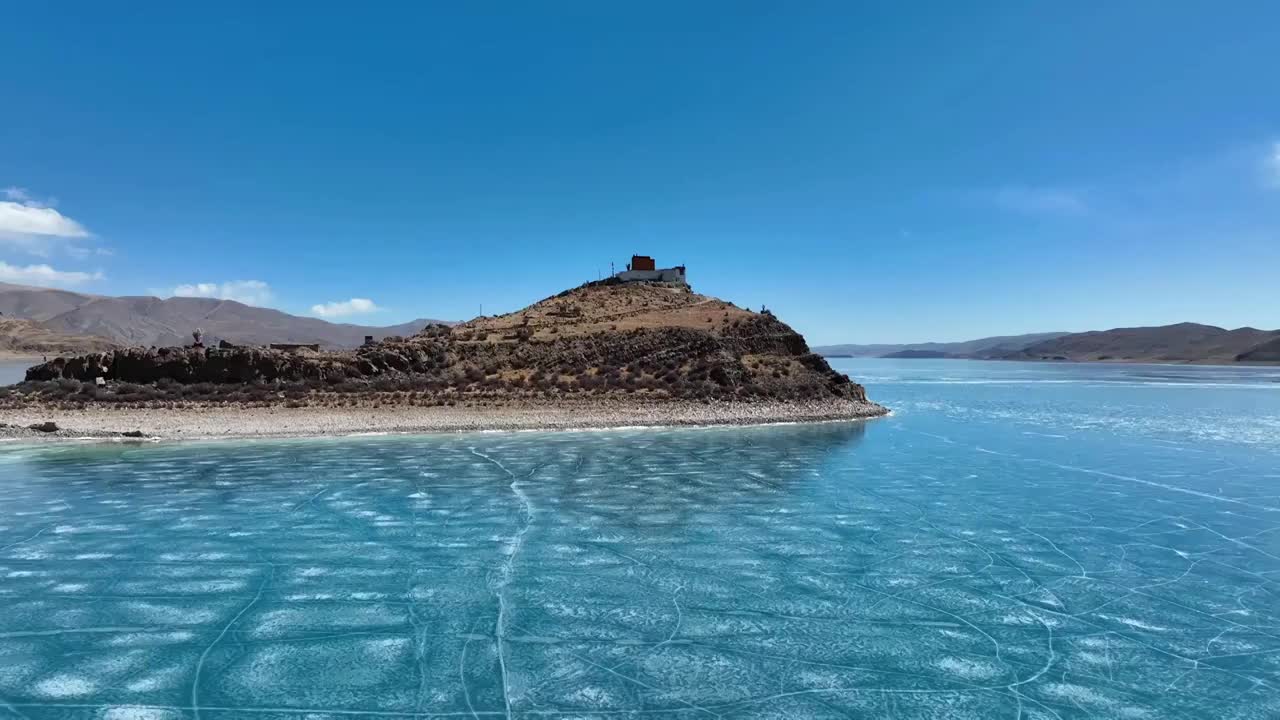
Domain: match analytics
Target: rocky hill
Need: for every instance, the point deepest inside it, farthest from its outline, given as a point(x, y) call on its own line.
point(145, 320)
point(1181, 343)
point(25, 337)
point(637, 340)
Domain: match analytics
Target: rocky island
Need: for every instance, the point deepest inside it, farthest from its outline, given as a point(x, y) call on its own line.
point(635, 349)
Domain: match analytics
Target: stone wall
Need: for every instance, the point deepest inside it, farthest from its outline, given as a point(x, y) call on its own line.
point(673, 275)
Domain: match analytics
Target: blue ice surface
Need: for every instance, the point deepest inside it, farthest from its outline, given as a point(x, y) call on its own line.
point(15, 371)
point(1016, 541)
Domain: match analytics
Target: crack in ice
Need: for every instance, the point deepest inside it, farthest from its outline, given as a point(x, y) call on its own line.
point(506, 571)
point(195, 682)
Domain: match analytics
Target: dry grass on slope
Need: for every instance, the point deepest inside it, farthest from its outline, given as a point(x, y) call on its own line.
point(19, 336)
point(606, 306)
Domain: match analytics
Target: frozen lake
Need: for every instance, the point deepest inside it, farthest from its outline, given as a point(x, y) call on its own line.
point(14, 371)
point(1017, 540)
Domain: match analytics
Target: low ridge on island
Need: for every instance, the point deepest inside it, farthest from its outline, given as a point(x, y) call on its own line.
point(640, 348)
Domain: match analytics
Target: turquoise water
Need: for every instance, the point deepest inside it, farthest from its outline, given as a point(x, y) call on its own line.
point(1017, 540)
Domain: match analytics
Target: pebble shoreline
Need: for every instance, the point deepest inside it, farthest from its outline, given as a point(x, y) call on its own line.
point(105, 422)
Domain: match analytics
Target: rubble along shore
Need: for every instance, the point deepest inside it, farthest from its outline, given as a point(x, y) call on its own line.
point(229, 421)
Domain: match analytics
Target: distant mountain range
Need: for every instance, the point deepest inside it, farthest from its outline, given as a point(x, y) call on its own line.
point(990, 347)
point(144, 320)
point(1181, 343)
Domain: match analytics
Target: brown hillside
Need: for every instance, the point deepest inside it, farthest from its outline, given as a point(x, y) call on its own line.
point(610, 306)
point(24, 336)
point(1268, 352)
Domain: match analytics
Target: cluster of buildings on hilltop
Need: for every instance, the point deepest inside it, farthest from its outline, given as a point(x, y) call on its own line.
point(643, 269)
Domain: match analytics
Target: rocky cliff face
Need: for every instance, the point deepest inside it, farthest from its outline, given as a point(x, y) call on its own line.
point(656, 341)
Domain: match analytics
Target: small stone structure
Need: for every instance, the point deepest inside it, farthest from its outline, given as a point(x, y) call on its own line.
point(642, 268)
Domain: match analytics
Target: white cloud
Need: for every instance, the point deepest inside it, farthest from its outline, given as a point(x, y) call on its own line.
point(32, 219)
point(1039, 201)
point(34, 226)
point(44, 276)
point(249, 292)
point(354, 306)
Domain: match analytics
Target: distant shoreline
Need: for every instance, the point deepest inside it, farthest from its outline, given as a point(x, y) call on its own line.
point(1039, 361)
point(233, 422)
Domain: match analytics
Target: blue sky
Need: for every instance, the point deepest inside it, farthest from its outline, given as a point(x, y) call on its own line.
point(874, 172)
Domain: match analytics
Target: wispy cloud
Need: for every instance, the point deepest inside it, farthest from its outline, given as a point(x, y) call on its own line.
point(44, 275)
point(1039, 200)
point(344, 308)
point(249, 292)
point(80, 252)
point(19, 195)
